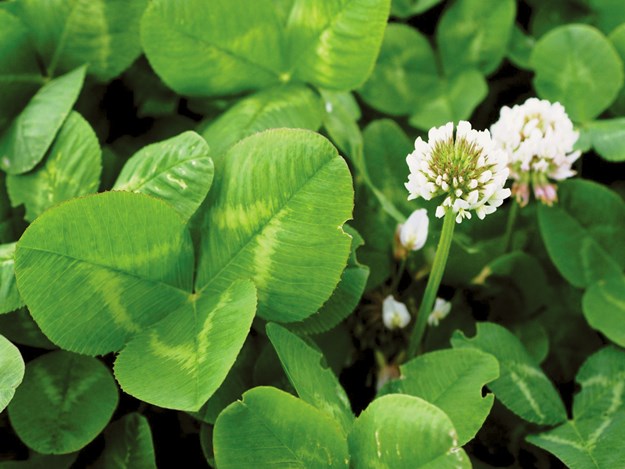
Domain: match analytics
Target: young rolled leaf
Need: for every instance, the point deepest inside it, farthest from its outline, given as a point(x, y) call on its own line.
point(26, 141)
point(96, 270)
point(64, 402)
point(405, 432)
point(19, 72)
point(522, 386)
point(177, 170)
point(10, 298)
point(72, 168)
point(275, 216)
point(291, 106)
point(101, 33)
point(452, 380)
point(314, 382)
point(128, 444)
point(577, 66)
point(11, 371)
point(604, 308)
point(180, 361)
point(270, 427)
point(582, 232)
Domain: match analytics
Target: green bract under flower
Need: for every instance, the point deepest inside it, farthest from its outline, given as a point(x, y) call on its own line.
point(468, 169)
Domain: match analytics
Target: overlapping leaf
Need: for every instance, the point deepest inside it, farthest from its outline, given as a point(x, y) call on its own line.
point(11, 371)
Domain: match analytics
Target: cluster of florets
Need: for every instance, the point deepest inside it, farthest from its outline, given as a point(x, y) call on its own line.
point(468, 170)
point(538, 137)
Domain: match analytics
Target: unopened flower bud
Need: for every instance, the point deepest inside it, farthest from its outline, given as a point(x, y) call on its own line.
point(439, 312)
point(395, 314)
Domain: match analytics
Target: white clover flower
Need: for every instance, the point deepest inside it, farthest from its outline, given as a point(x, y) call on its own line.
point(412, 234)
point(394, 313)
point(538, 137)
point(439, 312)
point(467, 169)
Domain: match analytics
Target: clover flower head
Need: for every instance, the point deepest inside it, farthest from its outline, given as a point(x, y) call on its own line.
point(439, 312)
point(538, 138)
point(466, 168)
point(395, 314)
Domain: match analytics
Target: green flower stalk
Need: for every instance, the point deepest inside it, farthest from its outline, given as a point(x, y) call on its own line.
point(470, 172)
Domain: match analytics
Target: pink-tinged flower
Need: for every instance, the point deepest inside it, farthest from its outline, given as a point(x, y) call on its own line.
point(538, 138)
point(466, 168)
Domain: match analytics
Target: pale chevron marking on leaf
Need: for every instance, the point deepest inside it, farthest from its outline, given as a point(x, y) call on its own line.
point(594, 436)
point(266, 243)
point(110, 286)
point(190, 356)
point(47, 383)
point(617, 394)
point(563, 441)
point(522, 385)
point(234, 217)
point(598, 380)
point(179, 182)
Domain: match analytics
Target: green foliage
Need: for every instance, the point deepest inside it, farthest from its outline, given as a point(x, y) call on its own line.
point(72, 168)
point(178, 170)
point(314, 382)
point(401, 431)
point(198, 49)
point(581, 232)
point(604, 308)
point(270, 427)
point(65, 401)
point(282, 233)
point(452, 380)
point(128, 444)
point(579, 67)
point(10, 298)
point(11, 371)
point(25, 142)
point(101, 33)
point(522, 385)
point(590, 439)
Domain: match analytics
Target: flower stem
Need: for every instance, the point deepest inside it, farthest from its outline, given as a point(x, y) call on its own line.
point(434, 281)
point(512, 216)
point(398, 274)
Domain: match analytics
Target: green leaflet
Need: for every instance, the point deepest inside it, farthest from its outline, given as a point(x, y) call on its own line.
point(20, 328)
point(579, 67)
point(275, 216)
point(26, 141)
point(314, 382)
point(292, 106)
point(607, 136)
point(101, 33)
point(19, 73)
point(116, 262)
point(402, 75)
point(604, 308)
point(71, 169)
point(180, 361)
point(453, 99)
point(177, 170)
point(345, 297)
point(522, 386)
point(452, 380)
point(582, 232)
point(269, 427)
point(11, 371)
point(227, 46)
point(405, 432)
point(128, 444)
point(65, 401)
point(592, 439)
point(475, 34)
point(10, 298)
